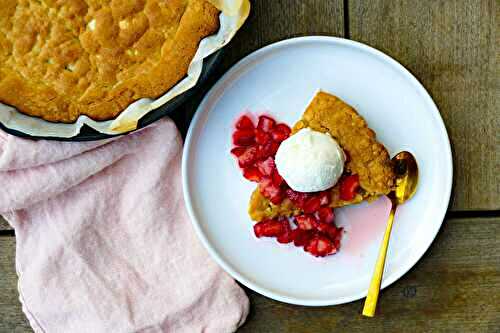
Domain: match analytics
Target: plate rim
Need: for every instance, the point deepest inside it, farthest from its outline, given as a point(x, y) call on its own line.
point(268, 292)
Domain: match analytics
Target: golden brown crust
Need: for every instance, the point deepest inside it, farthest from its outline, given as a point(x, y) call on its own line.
point(368, 158)
point(59, 60)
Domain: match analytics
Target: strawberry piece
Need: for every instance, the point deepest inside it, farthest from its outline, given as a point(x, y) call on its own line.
point(298, 198)
point(266, 123)
point(270, 191)
point(277, 179)
point(328, 229)
point(349, 187)
point(324, 198)
point(338, 236)
point(244, 137)
point(269, 228)
point(301, 237)
point(312, 205)
point(238, 151)
point(305, 222)
point(286, 236)
point(269, 149)
point(334, 233)
point(245, 123)
point(320, 246)
point(325, 214)
point(280, 132)
point(252, 174)
point(322, 227)
point(248, 157)
point(267, 166)
point(265, 182)
point(262, 137)
point(277, 198)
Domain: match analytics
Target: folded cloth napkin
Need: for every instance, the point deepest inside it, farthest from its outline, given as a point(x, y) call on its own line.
point(104, 243)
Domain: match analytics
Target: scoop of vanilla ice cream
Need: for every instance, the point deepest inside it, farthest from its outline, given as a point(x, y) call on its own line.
point(310, 161)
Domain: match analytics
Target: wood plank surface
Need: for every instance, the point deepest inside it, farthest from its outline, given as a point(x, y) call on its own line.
point(3, 224)
point(11, 315)
point(454, 288)
point(272, 21)
point(452, 48)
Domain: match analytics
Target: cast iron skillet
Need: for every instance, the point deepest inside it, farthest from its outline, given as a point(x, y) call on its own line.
point(89, 134)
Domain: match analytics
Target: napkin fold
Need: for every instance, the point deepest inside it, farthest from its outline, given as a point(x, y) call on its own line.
point(103, 240)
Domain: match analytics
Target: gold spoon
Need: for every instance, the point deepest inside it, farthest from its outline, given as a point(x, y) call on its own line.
point(406, 170)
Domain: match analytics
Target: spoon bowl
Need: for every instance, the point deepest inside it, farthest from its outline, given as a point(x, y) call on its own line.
point(406, 169)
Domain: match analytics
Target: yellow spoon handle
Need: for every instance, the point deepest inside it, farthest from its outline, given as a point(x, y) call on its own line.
point(373, 291)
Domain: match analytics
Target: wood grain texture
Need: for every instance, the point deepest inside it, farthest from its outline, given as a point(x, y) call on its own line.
point(454, 288)
point(3, 224)
point(272, 21)
point(11, 315)
point(452, 48)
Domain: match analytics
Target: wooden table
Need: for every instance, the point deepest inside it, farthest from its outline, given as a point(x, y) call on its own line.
point(451, 46)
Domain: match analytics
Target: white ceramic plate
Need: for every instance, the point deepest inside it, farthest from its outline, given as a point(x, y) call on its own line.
point(281, 79)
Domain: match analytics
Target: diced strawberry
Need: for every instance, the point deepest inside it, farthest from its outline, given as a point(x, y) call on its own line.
point(277, 179)
point(322, 226)
point(286, 236)
point(280, 132)
point(256, 148)
point(349, 187)
point(269, 149)
point(338, 236)
point(270, 191)
point(248, 157)
point(320, 246)
point(266, 123)
point(305, 222)
point(245, 123)
point(252, 174)
point(312, 205)
point(262, 137)
point(328, 229)
point(269, 228)
point(325, 214)
point(298, 198)
point(324, 198)
point(334, 233)
point(265, 182)
point(238, 151)
point(301, 237)
point(278, 197)
point(267, 166)
point(244, 137)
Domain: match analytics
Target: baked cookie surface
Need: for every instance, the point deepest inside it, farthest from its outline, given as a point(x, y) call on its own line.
point(62, 59)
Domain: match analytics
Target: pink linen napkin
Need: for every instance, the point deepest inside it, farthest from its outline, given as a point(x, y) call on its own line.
point(104, 243)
